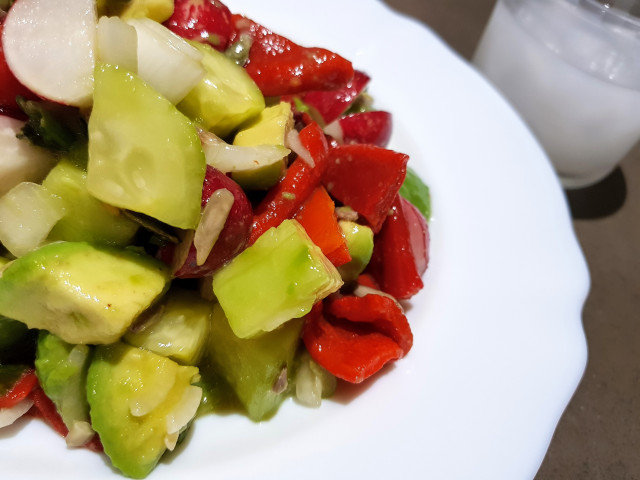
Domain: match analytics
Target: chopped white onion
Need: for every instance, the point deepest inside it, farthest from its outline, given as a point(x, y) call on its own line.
point(293, 142)
point(117, 43)
point(171, 440)
point(10, 415)
point(334, 129)
point(166, 61)
point(79, 434)
point(186, 409)
point(28, 212)
point(212, 222)
point(181, 252)
point(233, 158)
point(308, 386)
point(362, 290)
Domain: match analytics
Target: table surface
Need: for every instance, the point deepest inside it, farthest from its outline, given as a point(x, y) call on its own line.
point(599, 434)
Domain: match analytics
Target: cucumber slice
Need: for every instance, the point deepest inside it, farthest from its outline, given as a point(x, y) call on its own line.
point(257, 369)
point(178, 329)
point(144, 155)
point(140, 403)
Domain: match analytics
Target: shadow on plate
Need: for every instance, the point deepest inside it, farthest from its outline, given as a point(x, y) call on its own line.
point(600, 200)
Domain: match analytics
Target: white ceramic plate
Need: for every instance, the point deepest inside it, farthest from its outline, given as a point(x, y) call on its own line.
point(499, 347)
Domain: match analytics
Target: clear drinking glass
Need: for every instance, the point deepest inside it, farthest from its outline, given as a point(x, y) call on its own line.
point(572, 70)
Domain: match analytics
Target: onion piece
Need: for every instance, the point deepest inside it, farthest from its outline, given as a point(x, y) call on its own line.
point(362, 290)
point(212, 222)
point(313, 382)
point(117, 43)
point(334, 129)
point(181, 252)
point(180, 417)
point(292, 141)
point(233, 158)
point(166, 61)
point(79, 434)
point(10, 415)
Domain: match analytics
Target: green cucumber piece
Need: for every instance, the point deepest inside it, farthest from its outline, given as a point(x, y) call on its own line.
point(359, 240)
point(144, 155)
point(86, 218)
point(82, 293)
point(414, 190)
point(283, 273)
point(140, 403)
point(62, 371)
point(225, 98)
point(178, 327)
point(255, 368)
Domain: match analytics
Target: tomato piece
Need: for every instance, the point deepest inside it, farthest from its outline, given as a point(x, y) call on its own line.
point(20, 389)
point(366, 178)
point(282, 67)
point(319, 220)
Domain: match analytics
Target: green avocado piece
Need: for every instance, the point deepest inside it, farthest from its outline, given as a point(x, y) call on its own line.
point(144, 155)
point(414, 190)
point(82, 293)
point(140, 403)
point(225, 98)
point(86, 218)
point(62, 371)
point(178, 327)
point(283, 273)
point(359, 240)
point(258, 369)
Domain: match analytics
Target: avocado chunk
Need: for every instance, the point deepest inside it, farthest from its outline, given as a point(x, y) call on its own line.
point(86, 218)
point(144, 155)
point(140, 403)
point(414, 190)
point(359, 240)
point(225, 98)
point(283, 273)
point(62, 371)
point(80, 292)
point(158, 10)
point(177, 327)
point(268, 128)
point(258, 369)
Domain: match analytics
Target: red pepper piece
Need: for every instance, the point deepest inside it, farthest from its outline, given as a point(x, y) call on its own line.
point(281, 67)
point(285, 198)
point(331, 104)
point(366, 280)
point(372, 128)
point(207, 21)
point(20, 390)
point(393, 264)
point(367, 178)
point(10, 88)
point(360, 343)
point(318, 217)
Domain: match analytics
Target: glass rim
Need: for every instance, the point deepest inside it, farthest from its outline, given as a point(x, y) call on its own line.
point(611, 8)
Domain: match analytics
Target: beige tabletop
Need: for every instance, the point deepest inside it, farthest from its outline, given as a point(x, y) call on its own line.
point(599, 434)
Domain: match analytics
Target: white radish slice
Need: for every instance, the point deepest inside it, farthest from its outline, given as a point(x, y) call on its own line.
point(49, 48)
point(166, 61)
point(10, 415)
point(20, 161)
point(117, 43)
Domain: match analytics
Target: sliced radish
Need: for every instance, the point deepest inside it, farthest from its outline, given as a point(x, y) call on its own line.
point(20, 161)
point(117, 43)
point(49, 47)
point(165, 61)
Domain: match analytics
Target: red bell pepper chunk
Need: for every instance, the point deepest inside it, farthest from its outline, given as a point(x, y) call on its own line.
point(281, 67)
point(207, 21)
point(366, 280)
point(319, 220)
point(301, 179)
point(393, 263)
point(10, 88)
point(332, 103)
point(357, 336)
point(372, 128)
point(367, 178)
point(20, 389)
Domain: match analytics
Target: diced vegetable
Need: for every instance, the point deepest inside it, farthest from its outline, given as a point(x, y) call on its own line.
point(313, 382)
point(207, 21)
point(414, 190)
point(117, 43)
point(359, 240)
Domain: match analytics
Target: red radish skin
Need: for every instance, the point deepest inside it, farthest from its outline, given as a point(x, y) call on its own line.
point(418, 235)
point(10, 88)
point(207, 21)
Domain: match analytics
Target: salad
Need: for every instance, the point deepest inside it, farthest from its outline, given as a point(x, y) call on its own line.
point(196, 215)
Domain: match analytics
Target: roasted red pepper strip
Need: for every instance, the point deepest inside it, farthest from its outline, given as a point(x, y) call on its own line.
point(20, 389)
point(372, 128)
point(393, 264)
point(281, 67)
point(319, 220)
point(369, 332)
point(207, 21)
point(285, 198)
point(367, 178)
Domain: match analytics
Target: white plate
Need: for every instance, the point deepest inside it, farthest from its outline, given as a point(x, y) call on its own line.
point(499, 347)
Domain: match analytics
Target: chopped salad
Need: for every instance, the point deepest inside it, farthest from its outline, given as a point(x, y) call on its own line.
point(196, 214)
